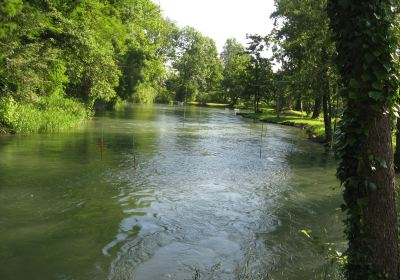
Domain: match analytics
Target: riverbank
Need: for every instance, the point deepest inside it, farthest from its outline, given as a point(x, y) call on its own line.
point(214, 105)
point(46, 114)
point(314, 128)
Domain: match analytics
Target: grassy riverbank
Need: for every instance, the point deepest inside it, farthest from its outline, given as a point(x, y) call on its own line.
point(315, 128)
point(46, 114)
point(215, 105)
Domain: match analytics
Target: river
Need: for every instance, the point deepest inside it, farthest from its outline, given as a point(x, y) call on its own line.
point(160, 192)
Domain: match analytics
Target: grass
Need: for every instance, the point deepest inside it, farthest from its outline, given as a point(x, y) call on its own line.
point(48, 114)
point(314, 127)
point(216, 105)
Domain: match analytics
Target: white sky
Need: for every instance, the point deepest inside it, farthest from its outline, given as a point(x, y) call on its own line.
point(221, 19)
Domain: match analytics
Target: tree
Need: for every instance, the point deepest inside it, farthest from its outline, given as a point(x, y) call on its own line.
point(81, 53)
point(366, 58)
point(306, 52)
point(198, 67)
point(259, 71)
point(235, 64)
point(143, 63)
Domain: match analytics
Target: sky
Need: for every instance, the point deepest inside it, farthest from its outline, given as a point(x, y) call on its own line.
point(221, 19)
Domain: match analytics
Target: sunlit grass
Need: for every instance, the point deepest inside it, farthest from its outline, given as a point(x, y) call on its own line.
point(315, 127)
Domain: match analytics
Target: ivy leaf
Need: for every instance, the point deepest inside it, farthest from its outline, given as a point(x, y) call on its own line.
point(351, 141)
point(370, 157)
point(377, 53)
point(378, 85)
point(372, 186)
point(369, 58)
point(376, 95)
point(387, 67)
point(382, 162)
point(362, 201)
point(380, 74)
point(365, 77)
point(343, 3)
point(354, 84)
point(352, 182)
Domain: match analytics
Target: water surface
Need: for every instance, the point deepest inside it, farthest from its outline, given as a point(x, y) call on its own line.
point(157, 192)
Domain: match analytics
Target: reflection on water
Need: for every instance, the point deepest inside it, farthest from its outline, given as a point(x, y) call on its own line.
point(153, 192)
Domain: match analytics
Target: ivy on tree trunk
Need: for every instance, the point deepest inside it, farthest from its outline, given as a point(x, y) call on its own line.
point(366, 59)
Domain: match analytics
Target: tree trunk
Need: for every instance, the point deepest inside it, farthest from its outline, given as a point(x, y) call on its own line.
point(397, 151)
point(299, 104)
point(365, 147)
point(380, 211)
point(258, 106)
point(326, 98)
point(327, 116)
point(278, 104)
point(317, 106)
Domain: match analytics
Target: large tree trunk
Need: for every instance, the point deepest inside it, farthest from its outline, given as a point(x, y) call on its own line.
point(371, 202)
point(366, 168)
point(397, 152)
point(380, 211)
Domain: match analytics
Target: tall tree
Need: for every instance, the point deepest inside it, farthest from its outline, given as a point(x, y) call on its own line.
point(306, 51)
point(366, 57)
point(235, 64)
point(198, 66)
point(259, 72)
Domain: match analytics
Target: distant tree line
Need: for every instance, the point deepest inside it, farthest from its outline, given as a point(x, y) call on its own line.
point(61, 59)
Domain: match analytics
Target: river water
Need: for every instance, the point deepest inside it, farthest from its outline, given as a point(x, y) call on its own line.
point(163, 192)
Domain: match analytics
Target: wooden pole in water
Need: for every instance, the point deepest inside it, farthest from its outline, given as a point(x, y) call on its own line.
point(184, 111)
point(133, 151)
point(101, 144)
point(261, 138)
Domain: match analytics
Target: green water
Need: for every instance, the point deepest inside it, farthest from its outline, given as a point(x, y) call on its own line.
point(155, 192)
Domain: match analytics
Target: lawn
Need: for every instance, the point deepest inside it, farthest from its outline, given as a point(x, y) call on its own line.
point(314, 127)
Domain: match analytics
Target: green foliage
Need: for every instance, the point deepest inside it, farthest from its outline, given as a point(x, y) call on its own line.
point(49, 114)
point(198, 68)
point(90, 52)
point(305, 50)
point(260, 77)
point(235, 65)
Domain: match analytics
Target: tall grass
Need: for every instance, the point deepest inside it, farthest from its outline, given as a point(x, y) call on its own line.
point(47, 114)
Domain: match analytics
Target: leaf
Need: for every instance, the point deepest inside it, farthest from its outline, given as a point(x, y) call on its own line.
point(372, 186)
point(354, 84)
point(351, 141)
point(387, 67)
point(378, 85)
point(306, 233)
point(365, 77)
point(377, 53)
point(376, 95)
point(362, 201)
point(382, 162)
